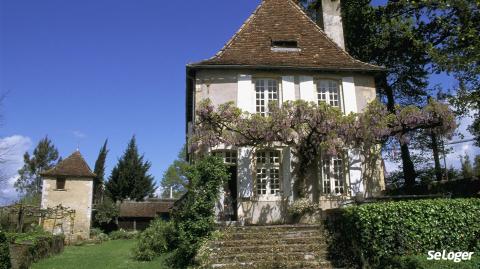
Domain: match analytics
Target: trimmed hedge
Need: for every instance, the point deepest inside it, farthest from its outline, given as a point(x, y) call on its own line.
point(27, 248)
point(421, 262)
point(369, 234)
point(4, 252)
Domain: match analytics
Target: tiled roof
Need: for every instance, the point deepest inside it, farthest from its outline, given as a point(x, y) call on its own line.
point(73, 166)
point(148, 209)
point(284, 20)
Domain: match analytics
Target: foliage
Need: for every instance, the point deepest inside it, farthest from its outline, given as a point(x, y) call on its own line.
point(98, 181)
point(4, 252)
point(122, 235)
point(38, 245)
point(114, 254)
point(379, 231)
point(302, 206)
point(45, 156)
point(155, 240)
point(421, 262)
point(130, 178)
point(175, 176)
point(467, 169)
point(312, 130)
point(105, 212)
point(476, 167)
point(193, 220)
point(415, 40)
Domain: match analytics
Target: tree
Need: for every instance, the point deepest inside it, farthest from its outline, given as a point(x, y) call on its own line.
point(98, 182)
point(414, 39)
point(476, 167)
point(45, 156)
point(130, 178)
point(467, 169)
point(175, 176)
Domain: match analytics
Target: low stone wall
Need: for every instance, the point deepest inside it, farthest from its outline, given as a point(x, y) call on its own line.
point(23, 254)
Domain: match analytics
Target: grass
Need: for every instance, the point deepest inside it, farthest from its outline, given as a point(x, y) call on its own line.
point(111, 254)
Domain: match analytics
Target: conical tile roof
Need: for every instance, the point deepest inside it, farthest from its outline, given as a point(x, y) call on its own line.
point(73, 166)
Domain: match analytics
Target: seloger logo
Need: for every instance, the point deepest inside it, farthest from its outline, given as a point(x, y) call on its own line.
point(450, 256)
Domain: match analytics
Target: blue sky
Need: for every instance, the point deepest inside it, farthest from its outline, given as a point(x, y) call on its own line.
point(84, 71)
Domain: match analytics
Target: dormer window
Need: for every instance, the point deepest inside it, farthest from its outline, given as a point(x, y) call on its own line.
point(285, 46)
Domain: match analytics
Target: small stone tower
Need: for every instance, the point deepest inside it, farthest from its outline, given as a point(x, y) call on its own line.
point(69, 184)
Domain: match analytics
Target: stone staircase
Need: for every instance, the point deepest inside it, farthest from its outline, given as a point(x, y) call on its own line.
point(282, 246)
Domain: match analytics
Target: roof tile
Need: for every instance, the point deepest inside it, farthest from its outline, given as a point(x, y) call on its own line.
point(284, 20)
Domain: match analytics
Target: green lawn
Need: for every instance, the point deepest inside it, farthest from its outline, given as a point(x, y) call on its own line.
point(111, 254)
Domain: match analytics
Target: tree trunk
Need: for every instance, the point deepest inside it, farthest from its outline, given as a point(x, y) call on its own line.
point(436, 157)
point(408, 168)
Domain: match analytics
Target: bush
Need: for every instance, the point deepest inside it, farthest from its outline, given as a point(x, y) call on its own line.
point(371, 233)
point(421, 262)
point(194, 219)
point(155, 240)
point(4, 252)
point(122, 234)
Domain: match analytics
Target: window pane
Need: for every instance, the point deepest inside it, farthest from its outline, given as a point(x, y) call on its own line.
point(338, 175)
point(326, 177)
point(261, 183)
point(328, 91)
point(274, 181)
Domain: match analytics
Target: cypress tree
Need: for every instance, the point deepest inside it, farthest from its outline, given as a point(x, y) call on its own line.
point(98, 183)
point(130, 178)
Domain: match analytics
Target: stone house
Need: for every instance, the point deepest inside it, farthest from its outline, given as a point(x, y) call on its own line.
point(280, 54)
point(69, 184)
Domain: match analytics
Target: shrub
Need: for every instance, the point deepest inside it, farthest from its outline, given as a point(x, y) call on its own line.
point(303, 206)
point(122, 234)
point(421, 262)
point(194, 219)
point(154, 240)
point(4, 252)
point(371, 233)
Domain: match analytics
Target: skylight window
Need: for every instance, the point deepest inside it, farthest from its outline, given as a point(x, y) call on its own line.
point(285, 46)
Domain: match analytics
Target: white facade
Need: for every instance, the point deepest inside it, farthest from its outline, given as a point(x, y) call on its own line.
point(350, 92)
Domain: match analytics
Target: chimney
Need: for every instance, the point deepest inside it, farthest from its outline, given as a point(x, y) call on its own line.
point(331, 21)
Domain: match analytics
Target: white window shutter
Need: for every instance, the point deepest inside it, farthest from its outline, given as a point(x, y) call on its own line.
point(349, 95)
point(245, 172)
point(288, 88)
point(246, 93)
point(307, 89)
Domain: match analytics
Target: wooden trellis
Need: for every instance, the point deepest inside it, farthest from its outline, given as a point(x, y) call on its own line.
point(17, 213)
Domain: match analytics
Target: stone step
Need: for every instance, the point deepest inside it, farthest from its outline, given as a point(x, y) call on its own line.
point(270, 265)
point(270, 228)
point(271, 241)
point(275, 234)
point(289, 248)
point(269, 257)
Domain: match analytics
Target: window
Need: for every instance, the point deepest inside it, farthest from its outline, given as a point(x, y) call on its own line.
point(328, 91)
point(60, 184)
point(267, 172)
point(285, 46)
point(229, 157)
point(266, 91)
point(333, 176)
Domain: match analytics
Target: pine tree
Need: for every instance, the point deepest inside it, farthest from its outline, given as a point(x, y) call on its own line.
point(130, 178)
point(45, 156)
point(98, 182)
point(175, 176)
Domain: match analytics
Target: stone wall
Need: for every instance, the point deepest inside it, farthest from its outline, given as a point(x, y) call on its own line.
point(77, 195)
